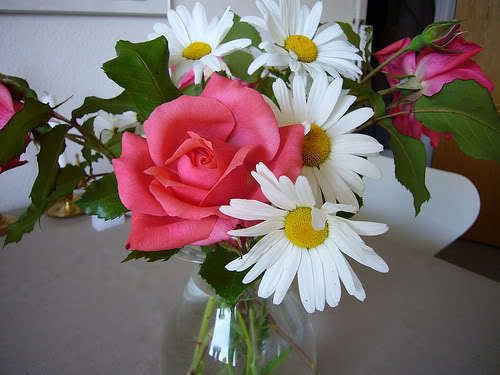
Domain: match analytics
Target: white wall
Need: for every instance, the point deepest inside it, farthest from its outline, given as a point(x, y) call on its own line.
point(62, 54)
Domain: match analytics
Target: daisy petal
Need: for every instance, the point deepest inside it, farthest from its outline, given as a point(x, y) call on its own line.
point(260, 229)
point(359, 165)
point(328, 34)
point(351, 121)
point(367, 228)
point(306, 282)
point(273, 274)
point(319, 280)
point(246, 209)
point(304, 192)
point(332, 282)
point(313, 183)
point(266, 261)
point(255, 252)
point(357, 250)
point(290, 267)
point(231, 46)
point(348, 277)
point(356, 144)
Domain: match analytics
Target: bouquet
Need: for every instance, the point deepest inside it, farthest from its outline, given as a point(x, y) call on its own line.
point(242, 138)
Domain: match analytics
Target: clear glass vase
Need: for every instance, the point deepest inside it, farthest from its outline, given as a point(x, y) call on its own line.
point(256, 337)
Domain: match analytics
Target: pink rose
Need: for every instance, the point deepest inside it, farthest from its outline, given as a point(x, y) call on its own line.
point(197, 155)
point(432, 69)
point(7, 109)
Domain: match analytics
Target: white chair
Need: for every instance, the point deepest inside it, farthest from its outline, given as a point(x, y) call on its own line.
point(452, 209)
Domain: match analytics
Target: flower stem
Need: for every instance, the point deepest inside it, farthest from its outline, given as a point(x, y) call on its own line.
point(390, 90)
point(202, 341)
point(288, 339)
point(94, 142)
point(374, 120)
point(248, 343)
point(381, 66)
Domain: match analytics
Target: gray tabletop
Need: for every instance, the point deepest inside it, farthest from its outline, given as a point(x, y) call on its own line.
point(70, 307)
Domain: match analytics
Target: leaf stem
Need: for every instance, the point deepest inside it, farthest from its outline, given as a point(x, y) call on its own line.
point(381, 66)
point(91, 138)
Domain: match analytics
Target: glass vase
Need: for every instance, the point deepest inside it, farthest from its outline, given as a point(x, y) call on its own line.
point(254, 337)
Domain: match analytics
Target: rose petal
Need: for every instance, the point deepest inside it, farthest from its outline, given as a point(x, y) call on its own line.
point(255, 121)
point(168, 125)
point(153, 233)
point(14, 163)
point(133, 183)
point(219, 231)
point(431, 63)
point(190, 194)
point(402, 65)
point(6, 106)
point(468, 70)
point(206, 176)
point(174, 206)
point(233, 184)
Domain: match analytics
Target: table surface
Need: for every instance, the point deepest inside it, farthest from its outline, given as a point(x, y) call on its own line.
point(70, 307)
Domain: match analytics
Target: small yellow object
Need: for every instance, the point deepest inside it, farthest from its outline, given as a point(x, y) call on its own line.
point(65, 208)
point(196, 50)
point(316, 147)
point(304, 48)
point(299, 229)
point(5, 220)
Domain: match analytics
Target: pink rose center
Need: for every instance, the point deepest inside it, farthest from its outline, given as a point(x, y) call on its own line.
point(202, 157)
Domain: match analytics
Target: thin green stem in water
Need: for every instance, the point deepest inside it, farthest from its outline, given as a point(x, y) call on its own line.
point(202, 341)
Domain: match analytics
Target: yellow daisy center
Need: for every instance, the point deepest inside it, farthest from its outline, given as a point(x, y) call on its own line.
point(304, 48)
point(316, 147)
point(299, 229)
point(196, 50)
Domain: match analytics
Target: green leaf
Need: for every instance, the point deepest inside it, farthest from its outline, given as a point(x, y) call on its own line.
point(115, 144)
point(193, 90)
point(86, 150)
point(117, 105)
point(142, 70)
point(409, 157)
point(227, 284)
point(13, 135)
point(378, 104)
point(24, 224)
point(242, 30)
point(101, 199)
point(52, 145)
point(18, 87)
point(238, 63)
point(367, 55)
point(266, 87)
point(67, 180)
point(275, 363)
point(352, 37)
point(151, 256)
point(42, 193)
point(466, 110)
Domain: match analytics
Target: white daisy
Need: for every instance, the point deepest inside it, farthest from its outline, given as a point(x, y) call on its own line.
point(334, 159)
point(290, 37)
point(194, 43)
point(301, 238)
point(106, 124)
